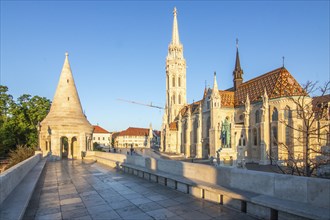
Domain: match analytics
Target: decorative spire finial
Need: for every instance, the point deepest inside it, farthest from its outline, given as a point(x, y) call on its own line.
point(283, 61)
point(175, 32)
point(236, 43)
point(66, 54)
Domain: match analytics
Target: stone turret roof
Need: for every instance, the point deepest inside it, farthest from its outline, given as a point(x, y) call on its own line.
point(66, 107)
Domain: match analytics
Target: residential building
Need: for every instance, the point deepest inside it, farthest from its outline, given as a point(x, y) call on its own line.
point(134, 137)
point(101, 136)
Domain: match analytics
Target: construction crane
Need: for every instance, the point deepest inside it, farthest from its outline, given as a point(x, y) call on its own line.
point(139, 103)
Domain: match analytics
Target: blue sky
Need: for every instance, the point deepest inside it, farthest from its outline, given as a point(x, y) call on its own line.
point(117, 49)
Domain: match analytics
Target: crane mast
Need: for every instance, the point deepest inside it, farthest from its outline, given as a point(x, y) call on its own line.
point(140, 103)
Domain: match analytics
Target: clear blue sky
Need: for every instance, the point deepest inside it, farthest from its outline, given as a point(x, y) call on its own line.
point(118, 49)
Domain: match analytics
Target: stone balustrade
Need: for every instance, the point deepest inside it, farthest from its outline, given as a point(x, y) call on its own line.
point(14, 175)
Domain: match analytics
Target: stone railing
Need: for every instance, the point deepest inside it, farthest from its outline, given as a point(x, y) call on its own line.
point(10, 178)
point(312, 191)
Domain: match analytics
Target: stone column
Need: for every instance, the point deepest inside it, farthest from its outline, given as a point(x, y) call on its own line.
point(264, 137)
point(178, 146)
point(199, 151)
point(188, 134)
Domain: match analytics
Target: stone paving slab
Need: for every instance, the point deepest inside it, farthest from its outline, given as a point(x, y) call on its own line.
point(81, 190)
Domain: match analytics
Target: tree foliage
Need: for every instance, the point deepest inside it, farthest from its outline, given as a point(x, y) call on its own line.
point(19, 120)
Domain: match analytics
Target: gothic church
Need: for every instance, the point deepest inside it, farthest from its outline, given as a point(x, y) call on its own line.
point(240, 123)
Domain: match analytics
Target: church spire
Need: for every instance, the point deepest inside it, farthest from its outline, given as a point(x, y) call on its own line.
point(238, 63)
point(238, 72)
point(175, 32)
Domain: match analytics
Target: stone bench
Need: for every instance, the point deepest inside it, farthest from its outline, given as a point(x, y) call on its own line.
point(14, 206)
point(262, 206)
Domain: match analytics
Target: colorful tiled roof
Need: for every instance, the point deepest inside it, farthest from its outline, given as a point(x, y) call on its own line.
point(98, 129)
point(227, 98)
point(278, 83)
point(131, 131)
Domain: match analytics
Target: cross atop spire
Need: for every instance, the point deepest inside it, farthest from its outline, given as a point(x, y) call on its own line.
point(175, 33)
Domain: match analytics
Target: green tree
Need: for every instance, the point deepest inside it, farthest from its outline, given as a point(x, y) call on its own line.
point(19, 120)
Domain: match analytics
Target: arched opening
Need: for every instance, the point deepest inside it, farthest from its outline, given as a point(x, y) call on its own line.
point(64, 146)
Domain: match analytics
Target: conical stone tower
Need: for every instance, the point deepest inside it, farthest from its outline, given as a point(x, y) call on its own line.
point(66, 131)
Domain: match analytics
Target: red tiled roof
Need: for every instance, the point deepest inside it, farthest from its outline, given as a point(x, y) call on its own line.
point(98, 129)
point(135, 132)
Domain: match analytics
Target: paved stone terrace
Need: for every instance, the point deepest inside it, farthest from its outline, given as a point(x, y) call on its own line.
point(85, 190)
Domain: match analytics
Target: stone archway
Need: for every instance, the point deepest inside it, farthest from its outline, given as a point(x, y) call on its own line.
point(64, 147)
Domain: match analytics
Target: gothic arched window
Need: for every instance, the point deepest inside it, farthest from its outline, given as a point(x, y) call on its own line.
point(195, 130)
point(287, 112)
point(274, 136)
point(275, 115)
point(208, 126)
point(173, 81)
point(255, 137)
point(257, 116)
point(179, 99)
point(179, 81)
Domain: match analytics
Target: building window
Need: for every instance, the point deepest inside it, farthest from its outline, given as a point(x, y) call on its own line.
point(274, 136)
point(103, 138)
point(255, 137)
point(98, 138)
point(287, 113)
point(208, 126)
point(195, 130)
point(257, 115)
point(179, 99)
point(275, 115)
point(179, 81)
point(173, 82)
point(241, 117)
